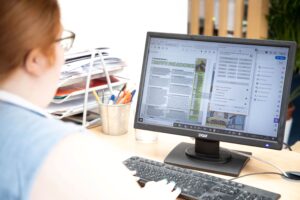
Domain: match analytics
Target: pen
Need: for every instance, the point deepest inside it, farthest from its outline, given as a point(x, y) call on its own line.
point(102, 96)
point(121, 96)
point(112, 99)
point(132, 94)
point(122, 90)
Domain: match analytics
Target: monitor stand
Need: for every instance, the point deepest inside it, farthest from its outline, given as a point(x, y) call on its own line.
point(207, 155)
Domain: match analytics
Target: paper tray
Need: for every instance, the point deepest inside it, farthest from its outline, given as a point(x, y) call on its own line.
point(74, 95)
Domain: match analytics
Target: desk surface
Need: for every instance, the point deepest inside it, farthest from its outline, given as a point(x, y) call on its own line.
point(285, 159)
point(296, 147)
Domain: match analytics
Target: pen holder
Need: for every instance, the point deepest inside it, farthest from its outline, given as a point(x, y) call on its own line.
point(114, 118)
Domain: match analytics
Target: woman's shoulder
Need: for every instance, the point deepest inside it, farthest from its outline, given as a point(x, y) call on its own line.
point(17, 120)
point(26, 138)
point(27, 130)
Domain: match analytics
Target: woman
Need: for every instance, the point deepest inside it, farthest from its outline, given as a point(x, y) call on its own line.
point(40, 157)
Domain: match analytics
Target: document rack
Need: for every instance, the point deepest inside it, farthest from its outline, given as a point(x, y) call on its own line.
point(71, 91)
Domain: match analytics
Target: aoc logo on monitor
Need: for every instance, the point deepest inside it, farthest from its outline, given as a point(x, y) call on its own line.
point(202, 135)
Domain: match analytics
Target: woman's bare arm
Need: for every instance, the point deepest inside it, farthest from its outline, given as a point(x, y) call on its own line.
point(83, 167)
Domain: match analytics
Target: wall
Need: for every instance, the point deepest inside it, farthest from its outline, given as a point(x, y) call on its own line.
point(122, 25)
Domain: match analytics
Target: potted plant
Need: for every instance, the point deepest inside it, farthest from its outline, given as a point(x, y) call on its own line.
point(284, 24)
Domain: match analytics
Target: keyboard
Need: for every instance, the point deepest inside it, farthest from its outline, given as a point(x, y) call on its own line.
point(196, 185)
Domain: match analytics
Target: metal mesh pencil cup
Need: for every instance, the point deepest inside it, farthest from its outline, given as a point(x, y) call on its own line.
point(114, 118)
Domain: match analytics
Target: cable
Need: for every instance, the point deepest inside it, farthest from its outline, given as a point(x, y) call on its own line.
point(258, 173)
point(288, 146)
point(283, 173)
point(292, 175)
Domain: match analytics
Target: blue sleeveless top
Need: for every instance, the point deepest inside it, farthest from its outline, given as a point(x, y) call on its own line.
point(26, 138)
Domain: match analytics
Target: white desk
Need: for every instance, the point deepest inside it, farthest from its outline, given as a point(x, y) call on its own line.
point(289, 190)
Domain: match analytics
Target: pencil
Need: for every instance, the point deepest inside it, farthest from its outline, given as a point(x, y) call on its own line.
point(96, 96)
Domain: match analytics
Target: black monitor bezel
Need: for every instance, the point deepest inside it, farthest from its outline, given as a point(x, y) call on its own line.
point(272, 144)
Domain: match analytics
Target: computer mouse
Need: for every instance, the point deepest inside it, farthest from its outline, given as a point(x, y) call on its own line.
point(293, 175)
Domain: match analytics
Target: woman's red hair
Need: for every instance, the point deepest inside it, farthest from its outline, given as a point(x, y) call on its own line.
point(26, 25)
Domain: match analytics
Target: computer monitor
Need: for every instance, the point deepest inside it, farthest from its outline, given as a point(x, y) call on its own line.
point(215, 89)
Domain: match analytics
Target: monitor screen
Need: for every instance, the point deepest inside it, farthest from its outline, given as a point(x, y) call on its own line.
point(215, 89)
